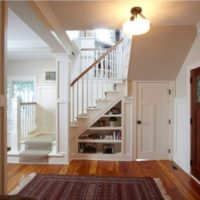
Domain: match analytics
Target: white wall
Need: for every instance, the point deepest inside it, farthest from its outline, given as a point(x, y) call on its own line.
point(46, 90)
point(182, 107)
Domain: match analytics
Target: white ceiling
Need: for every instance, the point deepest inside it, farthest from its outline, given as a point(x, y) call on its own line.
point(75, 15)
point(23, 43)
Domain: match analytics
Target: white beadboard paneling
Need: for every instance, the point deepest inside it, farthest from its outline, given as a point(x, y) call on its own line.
point(46, 118)
point(128, 126)
point(181, 135)
point(62, 126)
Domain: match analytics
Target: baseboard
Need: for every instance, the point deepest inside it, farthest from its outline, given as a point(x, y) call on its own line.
point(13, 158)
point(60, 158)
point(53, 158)
point(183, 165)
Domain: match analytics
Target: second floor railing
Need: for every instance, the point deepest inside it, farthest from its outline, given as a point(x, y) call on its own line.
point(24, 122)
point(28, 116)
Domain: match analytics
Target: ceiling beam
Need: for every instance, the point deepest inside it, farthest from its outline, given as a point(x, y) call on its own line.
point(45, 12)
point(26, 13)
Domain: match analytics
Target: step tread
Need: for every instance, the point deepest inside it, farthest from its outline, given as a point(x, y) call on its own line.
point(93, 108)
point(102, 100)
point(112, 91)
point(41, 138)
point(74, 125)
point(82, 117)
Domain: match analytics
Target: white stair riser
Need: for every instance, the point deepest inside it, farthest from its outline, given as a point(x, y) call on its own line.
point(38, 146)
point(33, 159)
point(120, 86)
point(111, 95)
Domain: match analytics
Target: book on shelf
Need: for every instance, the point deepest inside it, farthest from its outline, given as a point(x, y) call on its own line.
point(117, 135)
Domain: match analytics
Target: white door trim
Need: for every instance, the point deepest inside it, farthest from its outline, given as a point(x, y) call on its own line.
point(134, 92)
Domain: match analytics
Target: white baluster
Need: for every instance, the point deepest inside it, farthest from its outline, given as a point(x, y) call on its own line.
point(86, 87)
point(107, 72)
point(83, 95)
point(77, 99)
point(72, 103)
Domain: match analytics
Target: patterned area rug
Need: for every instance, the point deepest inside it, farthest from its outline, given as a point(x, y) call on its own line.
point(59, 187)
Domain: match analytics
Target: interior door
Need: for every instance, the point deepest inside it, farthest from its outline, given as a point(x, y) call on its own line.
point(153, 100)
point(195, 125)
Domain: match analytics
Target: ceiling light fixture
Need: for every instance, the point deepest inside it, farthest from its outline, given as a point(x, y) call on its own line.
point(138, 23)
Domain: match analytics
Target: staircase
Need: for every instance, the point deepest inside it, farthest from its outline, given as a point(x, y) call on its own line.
point(95, 91)
point(37, 148)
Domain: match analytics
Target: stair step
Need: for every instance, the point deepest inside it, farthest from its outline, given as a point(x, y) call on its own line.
point(102, 100)
point(34, 156)
point(73, 125)
point(38, 145)
point(35, 153)
point(82, 117)
point(92, 108)
point(120, 86)
point(41, 138)
point(112, 92)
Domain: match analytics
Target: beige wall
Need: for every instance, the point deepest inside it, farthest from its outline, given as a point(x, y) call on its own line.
point(159, 54)
point(3, 14)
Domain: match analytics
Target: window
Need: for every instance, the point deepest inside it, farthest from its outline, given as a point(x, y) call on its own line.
point(22, 88)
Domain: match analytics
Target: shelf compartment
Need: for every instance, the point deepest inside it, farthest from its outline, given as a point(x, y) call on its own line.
point(99, 141)
point(112, 115)
point(93, 148)
point(106, 128)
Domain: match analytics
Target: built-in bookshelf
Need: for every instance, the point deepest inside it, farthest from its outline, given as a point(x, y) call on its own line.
point(105, 135)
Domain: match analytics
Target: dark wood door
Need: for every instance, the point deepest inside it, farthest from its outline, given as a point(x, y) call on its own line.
point(195, 123)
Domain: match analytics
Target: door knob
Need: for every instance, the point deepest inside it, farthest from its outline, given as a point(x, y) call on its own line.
point(139, 122)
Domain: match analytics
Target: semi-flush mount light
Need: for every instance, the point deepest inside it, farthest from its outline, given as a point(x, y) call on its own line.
point(138, 23)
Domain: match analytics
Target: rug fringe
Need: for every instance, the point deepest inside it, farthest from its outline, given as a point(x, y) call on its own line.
point(162, 189)
point(24, 180)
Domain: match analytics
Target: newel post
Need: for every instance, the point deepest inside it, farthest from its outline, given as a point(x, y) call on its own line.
point(62, 108)
point(15, 133)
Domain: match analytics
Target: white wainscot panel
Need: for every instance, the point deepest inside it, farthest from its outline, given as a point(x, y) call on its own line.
point(46, 118)
point(181, 135)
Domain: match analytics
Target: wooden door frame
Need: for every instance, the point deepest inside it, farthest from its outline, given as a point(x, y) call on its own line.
point(188, 96)
point(135, 111)
point(3, 90)
point(192, 129)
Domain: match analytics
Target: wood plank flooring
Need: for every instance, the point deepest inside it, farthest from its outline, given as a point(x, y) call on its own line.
point(178, 184)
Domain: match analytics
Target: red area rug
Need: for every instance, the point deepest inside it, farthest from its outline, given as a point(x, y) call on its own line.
point(59, 187)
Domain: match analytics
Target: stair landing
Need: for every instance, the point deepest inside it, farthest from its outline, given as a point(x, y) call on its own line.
point(37, 148)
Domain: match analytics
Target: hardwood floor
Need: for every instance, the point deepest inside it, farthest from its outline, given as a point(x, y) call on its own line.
point(178, 184)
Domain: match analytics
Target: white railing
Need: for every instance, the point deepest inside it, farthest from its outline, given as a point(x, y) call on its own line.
point(105, 68)
point(24, 122)
point(28, 113)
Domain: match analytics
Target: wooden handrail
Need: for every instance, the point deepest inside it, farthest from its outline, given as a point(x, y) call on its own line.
point(94, 49)
point(96, 62)
point(28, 103)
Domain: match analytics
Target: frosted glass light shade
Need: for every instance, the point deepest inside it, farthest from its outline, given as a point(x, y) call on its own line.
point(136, 27)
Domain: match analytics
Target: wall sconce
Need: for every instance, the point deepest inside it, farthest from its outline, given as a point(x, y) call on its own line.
point(138, 24)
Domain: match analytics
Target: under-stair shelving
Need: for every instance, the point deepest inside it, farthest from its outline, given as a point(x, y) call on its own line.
point(105, 136)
